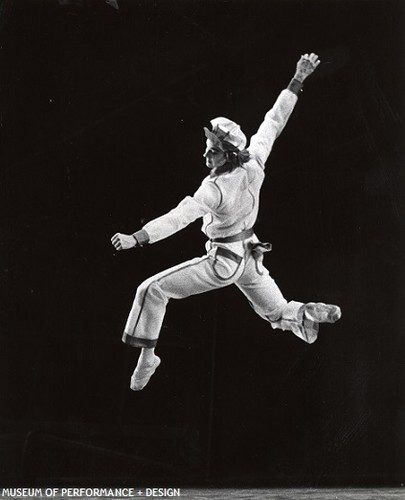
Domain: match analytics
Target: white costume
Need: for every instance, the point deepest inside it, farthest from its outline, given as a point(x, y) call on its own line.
point(228, 204)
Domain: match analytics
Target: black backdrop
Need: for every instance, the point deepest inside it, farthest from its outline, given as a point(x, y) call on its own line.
point(101, 121)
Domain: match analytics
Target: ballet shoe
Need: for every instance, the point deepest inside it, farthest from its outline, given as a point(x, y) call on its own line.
point(322, 313)
point(142, 374)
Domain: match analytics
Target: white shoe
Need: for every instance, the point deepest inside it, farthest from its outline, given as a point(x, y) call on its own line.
point(322, 313)
point(142, 374)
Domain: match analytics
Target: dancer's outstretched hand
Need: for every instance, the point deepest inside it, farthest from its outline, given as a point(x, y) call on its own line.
point(306, 66)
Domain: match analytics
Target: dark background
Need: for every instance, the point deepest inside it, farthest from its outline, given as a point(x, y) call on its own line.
point(102, 114)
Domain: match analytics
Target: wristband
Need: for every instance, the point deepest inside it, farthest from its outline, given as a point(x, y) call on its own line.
point(295, 86)
point(141, 238)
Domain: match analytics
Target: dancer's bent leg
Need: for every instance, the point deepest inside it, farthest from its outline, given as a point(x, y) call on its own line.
point(146, 317)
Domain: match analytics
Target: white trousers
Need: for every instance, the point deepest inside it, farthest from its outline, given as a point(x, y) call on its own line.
point(206, 273)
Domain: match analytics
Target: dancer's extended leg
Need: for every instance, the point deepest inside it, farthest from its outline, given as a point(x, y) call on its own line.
point(268, 302)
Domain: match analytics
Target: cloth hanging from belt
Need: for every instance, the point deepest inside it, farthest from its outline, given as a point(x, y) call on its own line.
point(259, 248)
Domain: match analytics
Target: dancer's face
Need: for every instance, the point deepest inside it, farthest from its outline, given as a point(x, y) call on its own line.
point(214, 157)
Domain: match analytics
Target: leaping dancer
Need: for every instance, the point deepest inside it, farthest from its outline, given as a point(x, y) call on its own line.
point(228, 202)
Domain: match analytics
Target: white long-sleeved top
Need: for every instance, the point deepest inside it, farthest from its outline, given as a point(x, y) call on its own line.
point(229, 203)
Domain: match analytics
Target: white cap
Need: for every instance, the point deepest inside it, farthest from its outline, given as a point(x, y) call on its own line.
point(229, 131)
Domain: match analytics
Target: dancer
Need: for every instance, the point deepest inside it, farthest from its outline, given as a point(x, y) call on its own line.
point(228, 202)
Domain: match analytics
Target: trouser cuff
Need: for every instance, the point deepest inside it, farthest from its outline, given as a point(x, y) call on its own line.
point(293, 319)
point(139, 342)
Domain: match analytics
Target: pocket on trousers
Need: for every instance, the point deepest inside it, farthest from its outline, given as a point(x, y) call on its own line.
point(225, 268)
